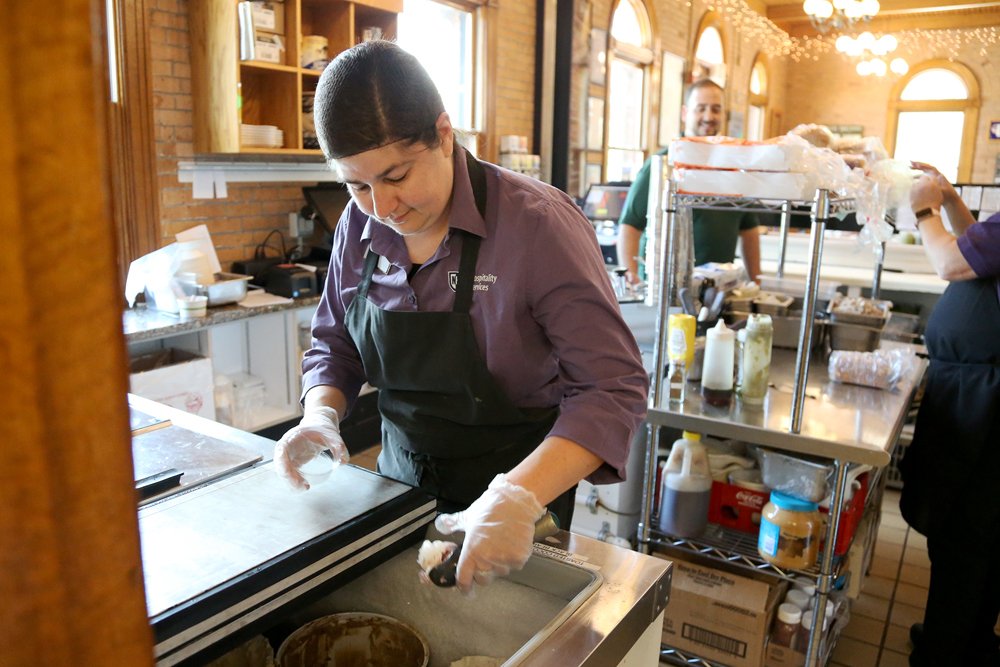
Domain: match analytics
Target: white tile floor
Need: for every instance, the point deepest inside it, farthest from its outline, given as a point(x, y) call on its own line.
point(892, 598)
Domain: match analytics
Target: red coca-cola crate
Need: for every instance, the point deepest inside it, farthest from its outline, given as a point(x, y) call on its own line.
point(850, 516)
point(739, 508)
point(736, 507)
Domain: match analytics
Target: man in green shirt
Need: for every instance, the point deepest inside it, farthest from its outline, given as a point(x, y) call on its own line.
point(715, 232)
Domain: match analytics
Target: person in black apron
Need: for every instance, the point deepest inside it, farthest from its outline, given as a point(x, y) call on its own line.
point(950, 469)
point(448, 426)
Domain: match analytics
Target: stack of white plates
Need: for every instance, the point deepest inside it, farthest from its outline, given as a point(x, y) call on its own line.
point(267, 136)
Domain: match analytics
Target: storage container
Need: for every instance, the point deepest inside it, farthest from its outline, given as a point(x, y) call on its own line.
point(249, 396)
point(790, 530)
point(772, 303)
point(227, 288)
point(797, 475)
point(853, 337)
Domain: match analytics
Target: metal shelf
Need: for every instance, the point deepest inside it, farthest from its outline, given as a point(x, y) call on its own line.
point(781, 423)
point(731, 546)
point(795, 207)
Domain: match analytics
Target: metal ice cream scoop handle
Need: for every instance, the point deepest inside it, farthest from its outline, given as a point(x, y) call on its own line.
point(443, 574)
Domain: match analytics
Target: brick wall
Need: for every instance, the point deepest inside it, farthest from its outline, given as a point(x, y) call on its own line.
point(515, 85)
point(830, 92)
point(240, 221)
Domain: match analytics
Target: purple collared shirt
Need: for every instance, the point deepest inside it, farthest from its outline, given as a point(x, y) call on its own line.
point(543, 311)
point(980, 245)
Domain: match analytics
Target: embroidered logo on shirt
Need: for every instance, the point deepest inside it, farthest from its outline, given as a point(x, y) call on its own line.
point(480, 283)
point(483, 281)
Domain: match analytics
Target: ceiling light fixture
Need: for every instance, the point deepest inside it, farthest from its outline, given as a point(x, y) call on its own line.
point(871, 50)
point(826, 15)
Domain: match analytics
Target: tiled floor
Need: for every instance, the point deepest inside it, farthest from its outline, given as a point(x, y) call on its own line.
point(892, 596)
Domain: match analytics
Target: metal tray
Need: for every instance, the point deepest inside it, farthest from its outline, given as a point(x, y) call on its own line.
point(797, 475)
point(227, 288)
point(853, 337)
point(864, 320)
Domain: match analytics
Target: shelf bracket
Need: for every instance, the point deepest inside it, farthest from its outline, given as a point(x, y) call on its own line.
point(209, 178)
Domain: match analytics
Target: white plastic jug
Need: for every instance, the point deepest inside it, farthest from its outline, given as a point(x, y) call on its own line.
point(687, 487)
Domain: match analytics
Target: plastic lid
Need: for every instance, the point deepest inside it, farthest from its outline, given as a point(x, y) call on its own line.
point(798, 598)
point(789, 613)
point(787, 502)
point(690, 435)
point(720, 330)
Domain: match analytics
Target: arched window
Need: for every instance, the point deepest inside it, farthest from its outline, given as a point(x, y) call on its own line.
point(631, 56)
point(709, 52)
point(757, 108)
point(932, 117)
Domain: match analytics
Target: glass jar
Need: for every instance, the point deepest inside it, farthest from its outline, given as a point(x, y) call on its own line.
point(790, 532)
point(754, 359)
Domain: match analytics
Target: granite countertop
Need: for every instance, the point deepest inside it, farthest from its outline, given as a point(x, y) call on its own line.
point(141, 323)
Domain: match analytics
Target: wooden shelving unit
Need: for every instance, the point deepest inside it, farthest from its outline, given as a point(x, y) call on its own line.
point(271, 93)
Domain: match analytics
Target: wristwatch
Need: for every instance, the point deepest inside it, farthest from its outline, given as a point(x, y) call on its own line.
point(926, 213)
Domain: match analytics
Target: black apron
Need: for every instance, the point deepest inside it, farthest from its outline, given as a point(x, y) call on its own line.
point(447, 426)
point(951, 467)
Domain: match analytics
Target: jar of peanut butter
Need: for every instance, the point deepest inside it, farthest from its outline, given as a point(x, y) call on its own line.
point(790, 532)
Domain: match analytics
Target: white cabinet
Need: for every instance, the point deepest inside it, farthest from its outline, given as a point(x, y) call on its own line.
point(263, 343)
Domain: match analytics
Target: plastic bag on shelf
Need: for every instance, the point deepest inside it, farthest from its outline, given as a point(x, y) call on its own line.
point(880, 369)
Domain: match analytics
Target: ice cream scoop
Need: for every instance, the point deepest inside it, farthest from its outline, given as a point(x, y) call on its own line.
point(446, 554)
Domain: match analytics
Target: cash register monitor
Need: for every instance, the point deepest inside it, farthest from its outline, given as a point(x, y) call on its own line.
point(602, 206)
point(604, 202)
point(326, 201)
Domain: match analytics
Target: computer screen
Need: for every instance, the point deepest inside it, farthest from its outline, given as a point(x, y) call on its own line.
point(329, 201)
point(604, 202)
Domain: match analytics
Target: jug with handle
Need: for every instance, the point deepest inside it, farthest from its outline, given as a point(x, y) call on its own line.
point(686, 488)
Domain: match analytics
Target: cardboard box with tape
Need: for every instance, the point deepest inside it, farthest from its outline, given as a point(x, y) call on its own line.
point(718, 614)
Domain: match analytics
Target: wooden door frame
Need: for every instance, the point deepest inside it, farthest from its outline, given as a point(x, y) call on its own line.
point(70, 567)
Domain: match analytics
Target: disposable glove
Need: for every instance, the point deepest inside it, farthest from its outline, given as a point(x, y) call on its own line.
point(319, 430)
point(499, 531)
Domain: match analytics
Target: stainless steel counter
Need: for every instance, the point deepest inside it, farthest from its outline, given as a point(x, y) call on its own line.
point(228, 559)
point(840, 421)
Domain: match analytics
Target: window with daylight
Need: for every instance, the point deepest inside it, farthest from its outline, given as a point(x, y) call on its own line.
point(757, 109)
point(630, 58)
point(933, 115)
point(710, 54)
point(451, 58)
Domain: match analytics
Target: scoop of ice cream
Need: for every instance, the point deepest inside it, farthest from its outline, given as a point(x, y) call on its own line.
point(434, 552)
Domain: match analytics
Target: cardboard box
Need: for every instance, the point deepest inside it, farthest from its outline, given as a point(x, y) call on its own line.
point(782, 656)
point(268, 48)
point(268, 17)
point(176, 378)
point(720, 615)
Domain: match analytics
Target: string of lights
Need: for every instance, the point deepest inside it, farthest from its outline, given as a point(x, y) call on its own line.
point(775, 42)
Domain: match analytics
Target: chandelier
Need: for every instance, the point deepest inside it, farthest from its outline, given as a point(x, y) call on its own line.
point(872, 50)
point(826, 15)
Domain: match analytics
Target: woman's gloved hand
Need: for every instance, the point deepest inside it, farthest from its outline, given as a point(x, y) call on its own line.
point(499, 531)
point(318, 430)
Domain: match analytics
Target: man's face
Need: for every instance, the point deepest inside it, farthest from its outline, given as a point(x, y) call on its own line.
point(703, 112)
